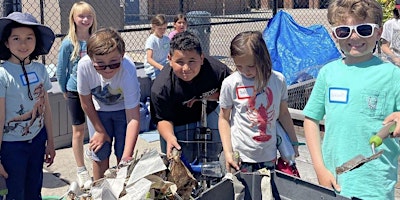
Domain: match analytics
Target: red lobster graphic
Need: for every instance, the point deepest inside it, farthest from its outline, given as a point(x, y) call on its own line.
point(260, 116)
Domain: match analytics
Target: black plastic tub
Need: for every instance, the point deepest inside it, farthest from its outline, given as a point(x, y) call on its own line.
point(289, 187)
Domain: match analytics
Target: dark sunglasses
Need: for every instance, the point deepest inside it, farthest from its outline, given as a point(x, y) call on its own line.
point(111, 66)
point(363, 30)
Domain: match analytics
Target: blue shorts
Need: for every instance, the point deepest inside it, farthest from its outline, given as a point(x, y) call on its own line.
point(23, 161)
point(191, 150)
point(75, 108)
point(115, 124)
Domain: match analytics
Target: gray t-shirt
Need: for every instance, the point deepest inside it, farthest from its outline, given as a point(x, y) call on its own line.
point(160, 47)
point(253, 116)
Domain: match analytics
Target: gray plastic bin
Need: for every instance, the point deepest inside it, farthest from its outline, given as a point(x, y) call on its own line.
point(289, 187)
point(200, 24)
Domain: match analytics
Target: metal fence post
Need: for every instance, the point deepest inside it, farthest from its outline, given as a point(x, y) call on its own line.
point(10, 6)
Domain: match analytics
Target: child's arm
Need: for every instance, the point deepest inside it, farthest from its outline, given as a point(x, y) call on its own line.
point(48, 123)
point(313, 139)
point(166, 130)
point(132, 132)
point(100, 135)
point(64, 56)
point(287, 123)
point(151, 61)
point(225, 133)
point(2, 123)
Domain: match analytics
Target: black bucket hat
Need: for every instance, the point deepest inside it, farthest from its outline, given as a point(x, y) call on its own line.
point(46, 34)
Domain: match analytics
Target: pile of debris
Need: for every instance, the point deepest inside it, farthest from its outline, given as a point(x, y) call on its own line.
point(152, 176)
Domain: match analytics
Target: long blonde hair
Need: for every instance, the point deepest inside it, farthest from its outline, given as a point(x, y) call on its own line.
point(79, 7)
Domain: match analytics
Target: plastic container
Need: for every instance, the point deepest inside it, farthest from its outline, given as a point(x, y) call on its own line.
point(212, 169)
point(200, 24)
point(288, 187)
point(144, 118)
point(285, 146)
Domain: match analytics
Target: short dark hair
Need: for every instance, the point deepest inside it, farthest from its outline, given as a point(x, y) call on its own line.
point(396, 14)
point(185, 41)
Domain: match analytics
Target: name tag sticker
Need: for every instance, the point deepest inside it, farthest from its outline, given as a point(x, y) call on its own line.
point(244, 92)
point(32, 77)
point(338, 95)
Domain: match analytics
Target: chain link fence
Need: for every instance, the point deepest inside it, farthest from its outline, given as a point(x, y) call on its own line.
point(215, 21)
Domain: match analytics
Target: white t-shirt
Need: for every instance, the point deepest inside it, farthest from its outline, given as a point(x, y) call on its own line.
point(120, 92)
point(253, 117)
point(391, 33)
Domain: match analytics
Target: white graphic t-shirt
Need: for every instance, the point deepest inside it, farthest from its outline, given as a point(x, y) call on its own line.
point(391, 33)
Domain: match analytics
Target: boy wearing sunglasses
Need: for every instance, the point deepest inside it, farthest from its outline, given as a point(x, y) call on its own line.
point(354, 94)
point(109, 92)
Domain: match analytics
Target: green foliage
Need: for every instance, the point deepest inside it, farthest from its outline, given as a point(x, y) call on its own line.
point(387, 6)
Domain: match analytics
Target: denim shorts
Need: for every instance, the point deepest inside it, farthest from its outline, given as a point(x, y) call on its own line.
point(115, 124)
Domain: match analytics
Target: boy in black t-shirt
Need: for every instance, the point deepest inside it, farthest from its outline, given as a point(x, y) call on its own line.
point(177, 92)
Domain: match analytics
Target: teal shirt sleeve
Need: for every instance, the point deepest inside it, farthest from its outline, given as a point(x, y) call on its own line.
point(63, 69)
point(315, 107)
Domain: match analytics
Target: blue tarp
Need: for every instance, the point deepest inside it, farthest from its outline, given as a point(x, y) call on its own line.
point(298, 52)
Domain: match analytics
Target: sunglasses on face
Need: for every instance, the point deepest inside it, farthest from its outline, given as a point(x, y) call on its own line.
point(362, 30)
point(111, 66)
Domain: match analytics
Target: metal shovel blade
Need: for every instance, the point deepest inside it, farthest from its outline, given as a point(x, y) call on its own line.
point(356, 162)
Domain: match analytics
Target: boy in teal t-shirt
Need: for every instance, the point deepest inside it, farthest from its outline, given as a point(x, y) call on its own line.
point(354, 94)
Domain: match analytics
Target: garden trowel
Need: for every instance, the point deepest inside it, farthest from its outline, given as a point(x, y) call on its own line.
point(375, 141)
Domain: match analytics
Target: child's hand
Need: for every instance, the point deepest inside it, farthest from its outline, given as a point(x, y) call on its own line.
point(49, 156)
point(395, 116)
point(97, 141)
point(231, 165)
point(124, 161)
point(326, 179)
point(173, 143)
point(296, 151)
point(3, 171)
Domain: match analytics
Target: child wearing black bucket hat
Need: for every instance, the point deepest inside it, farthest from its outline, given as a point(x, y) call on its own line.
point(25, 117)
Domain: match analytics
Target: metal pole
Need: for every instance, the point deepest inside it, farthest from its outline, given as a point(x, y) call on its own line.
point(42, 22)
point(181, 6)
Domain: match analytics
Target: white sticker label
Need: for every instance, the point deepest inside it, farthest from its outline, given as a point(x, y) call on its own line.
point(338, 95)
point(32, 78)
point(244, 92)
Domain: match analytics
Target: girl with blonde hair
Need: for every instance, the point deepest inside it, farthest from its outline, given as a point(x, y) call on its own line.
point(82, 23)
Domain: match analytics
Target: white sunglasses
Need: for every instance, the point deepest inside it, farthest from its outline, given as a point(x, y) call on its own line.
point(362, 30)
